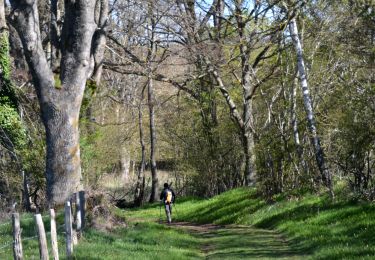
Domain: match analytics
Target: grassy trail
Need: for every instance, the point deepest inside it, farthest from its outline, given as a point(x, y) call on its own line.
point(239, 242)
point(234, 225)
point(149, 239)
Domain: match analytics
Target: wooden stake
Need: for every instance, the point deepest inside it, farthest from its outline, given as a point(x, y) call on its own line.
point(78, 216)
point(17, 244)
point(43, 249)
point(68, 230)
point(55, 249)
point(82, 205)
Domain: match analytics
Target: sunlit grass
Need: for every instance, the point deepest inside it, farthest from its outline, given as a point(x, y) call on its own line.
point(309, 226)
point(139, 241)
point(28, 237)
point(324, 229)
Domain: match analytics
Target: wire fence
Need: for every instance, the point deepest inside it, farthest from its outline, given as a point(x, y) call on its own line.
point(8, 231)
point(5, 224)
point(6, 247)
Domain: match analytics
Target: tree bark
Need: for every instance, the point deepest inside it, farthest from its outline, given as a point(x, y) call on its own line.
point(139, 190)
point(25, 192)
point(294, 121)
point(124, 164)
point(100, 41)
point(60, 101)
point(154, 176)
point(151, 102)
point(247, 91)
point(54, 36)
point(319, 154)
point(3, 23)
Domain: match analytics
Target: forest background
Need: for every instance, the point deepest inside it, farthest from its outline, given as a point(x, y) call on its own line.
point(206, 95)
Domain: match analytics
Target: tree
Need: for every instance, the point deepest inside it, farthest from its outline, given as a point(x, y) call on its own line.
point(59, 96)
point(151, 98)
point(319, 154)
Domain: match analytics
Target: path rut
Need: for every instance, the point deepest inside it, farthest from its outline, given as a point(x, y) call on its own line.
point(240, 242)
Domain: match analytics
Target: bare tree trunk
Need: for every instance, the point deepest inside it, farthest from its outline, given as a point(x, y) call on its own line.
point(54, 35)
point(60, 102)
point(26, 193)
point(248, 136)
point(151, 102)
point(3, 23)
point(319, 154)
point(299, 149)
point(125, 164)
point(155, 181)
point(247, 133)
point(99, 43)
point(138, 197)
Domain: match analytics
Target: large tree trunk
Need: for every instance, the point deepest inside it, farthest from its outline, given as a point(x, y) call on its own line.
point(247, 91)
point(249, 149)
point(248, 135)
point(319, 154)
point(60, 102)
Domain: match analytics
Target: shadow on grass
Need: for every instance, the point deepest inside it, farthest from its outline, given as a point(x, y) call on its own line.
point(233, 242)
point(332, 230)
point(224, 209)
point(316, 226)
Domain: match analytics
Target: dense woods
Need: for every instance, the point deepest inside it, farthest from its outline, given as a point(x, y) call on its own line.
point(206, 95)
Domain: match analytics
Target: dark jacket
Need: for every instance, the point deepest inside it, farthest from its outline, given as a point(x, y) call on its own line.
point(163, 195)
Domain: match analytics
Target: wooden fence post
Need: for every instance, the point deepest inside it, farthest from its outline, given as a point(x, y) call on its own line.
point(78, 215)
point(17, 244)
point(82, 205)
point(68, 230)
point(43, 249)
point(55, 249)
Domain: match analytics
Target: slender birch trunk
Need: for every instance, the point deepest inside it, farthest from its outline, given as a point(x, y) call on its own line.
point(319, 154)
point(294, 121)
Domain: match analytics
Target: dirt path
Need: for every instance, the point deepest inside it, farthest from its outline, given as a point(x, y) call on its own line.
point(240, 242)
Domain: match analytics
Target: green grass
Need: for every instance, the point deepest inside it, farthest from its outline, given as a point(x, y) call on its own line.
point(139, 241)
point(341, 229)
point(145, 238)
point(310, 227)
point(29, 241)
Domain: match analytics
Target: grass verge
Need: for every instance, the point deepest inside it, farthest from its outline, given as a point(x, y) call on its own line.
point(309, 227)
point(315, 225)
